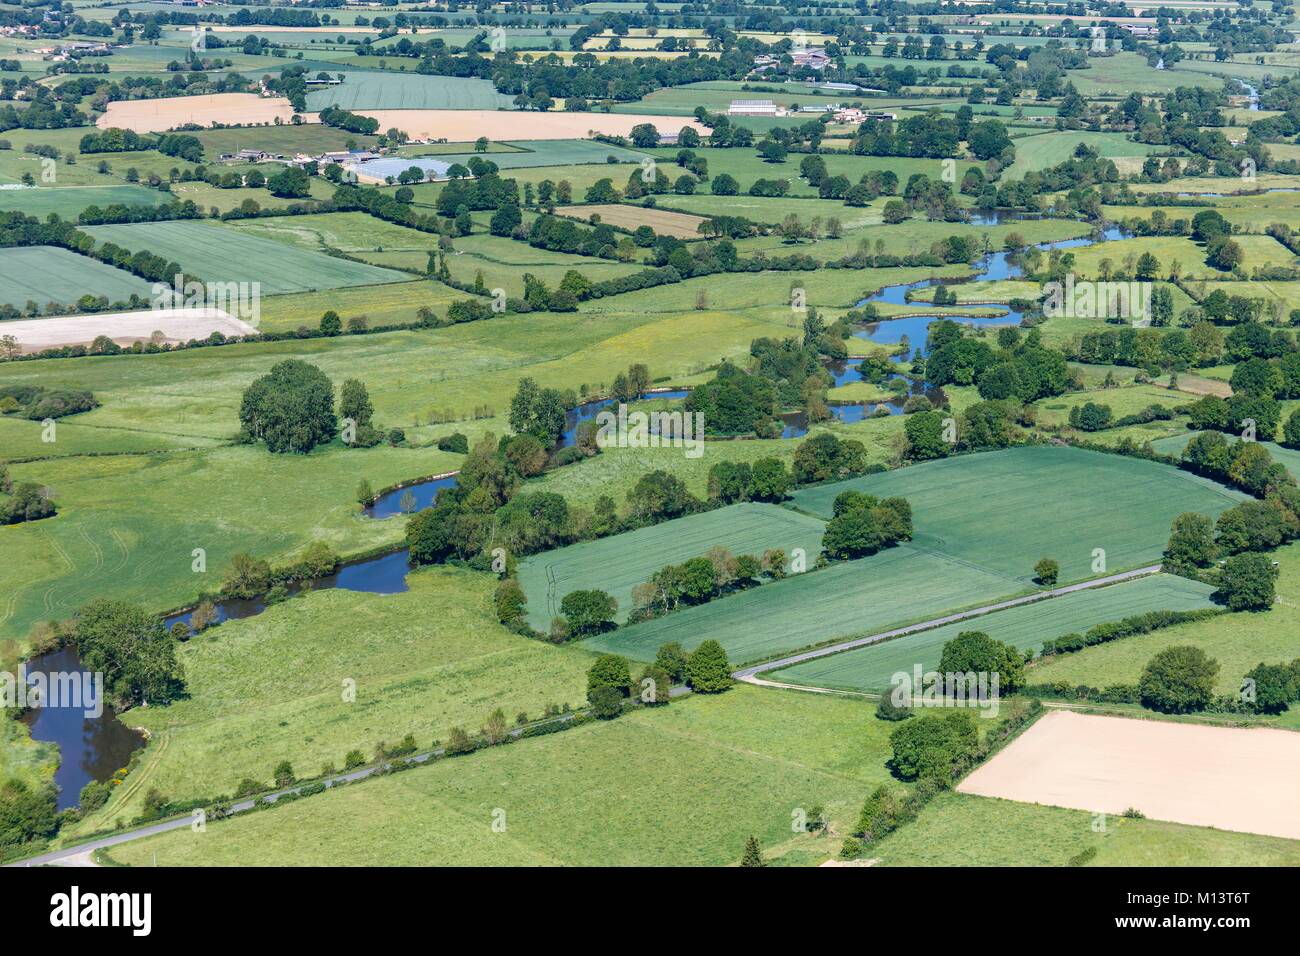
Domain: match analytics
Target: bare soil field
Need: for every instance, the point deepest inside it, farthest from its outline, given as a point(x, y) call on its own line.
point(124, 328)
point(463, 126)
point(160, 115)
point(665, 223)
point(1228, 778)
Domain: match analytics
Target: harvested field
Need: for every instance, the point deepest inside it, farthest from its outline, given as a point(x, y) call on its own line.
point(1246, 780)
point(155, 116)
point(462, 126)
point(665, 223)
point(124, 328)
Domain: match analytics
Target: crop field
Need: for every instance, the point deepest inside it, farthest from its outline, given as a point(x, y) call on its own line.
point(1230, 778)
point(617, 564)
point(1261, 251)
point(503, 264)
point(387, 91)
point(44, 274)
point(1003, 510)
point(219, 254)
point(125, 328)
point(959, 829)
point(468, 124)
point(68, 201)
point(869, 669)
point(423, 661)
point(1237, 641)
point(641, 789)
point(156, 116)
point(662, 221)
point(898, 586)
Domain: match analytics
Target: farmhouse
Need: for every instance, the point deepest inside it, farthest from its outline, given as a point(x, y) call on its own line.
point(1140, 31)
point(752, 108)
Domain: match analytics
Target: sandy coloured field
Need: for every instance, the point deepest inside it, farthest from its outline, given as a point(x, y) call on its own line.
point(1224, 777)
point(462, 126)
point(157, 116)
point(124, 328)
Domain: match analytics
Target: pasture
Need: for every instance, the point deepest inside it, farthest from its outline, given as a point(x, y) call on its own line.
point(423, 661)
point(958, 829)
point(44, 274)
point(869, 669)
point(215, 253)
point(1001, 511)
point(68, 201)
point(662, 221)
point(617, 564)
point(681, 785)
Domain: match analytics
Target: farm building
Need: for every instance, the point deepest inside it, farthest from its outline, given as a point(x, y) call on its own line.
point(752, 108)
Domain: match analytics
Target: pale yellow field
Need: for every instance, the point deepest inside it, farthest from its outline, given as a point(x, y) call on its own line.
point(462, 126)
point(1229, 778)
point(157, 116)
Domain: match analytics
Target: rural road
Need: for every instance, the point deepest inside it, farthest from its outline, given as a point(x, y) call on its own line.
point(750, 674)
point(82, 854)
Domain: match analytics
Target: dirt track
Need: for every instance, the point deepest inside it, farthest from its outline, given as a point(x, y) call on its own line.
point(1229, 778)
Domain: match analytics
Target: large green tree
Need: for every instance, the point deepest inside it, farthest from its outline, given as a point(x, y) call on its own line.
point(291, 408)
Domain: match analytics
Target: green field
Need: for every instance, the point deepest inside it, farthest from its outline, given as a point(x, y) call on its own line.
point(68, 201)
point(899, 586)
point(1237, 641)
point(539, 152)
point(422, 661)
point(391, 91)
point(1036, 153)
point(617, 564)
point(869, 669)
point(962, 830)
point(127, 524)
point(682, 785)
point(1002, 511)
point(44, 274)
point(218, 254)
